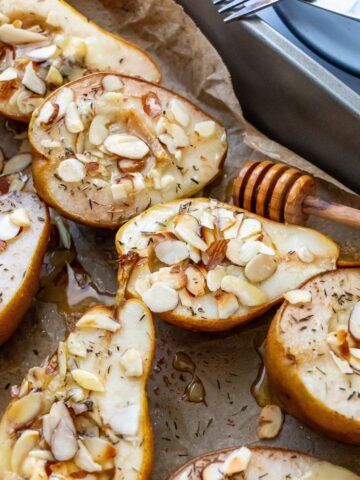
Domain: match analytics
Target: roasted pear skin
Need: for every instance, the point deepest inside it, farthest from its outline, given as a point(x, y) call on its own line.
point(22, 248)
point(47, 44)
point(260, 462)
point(106, 147)
point(312, 348)
point(208, 266)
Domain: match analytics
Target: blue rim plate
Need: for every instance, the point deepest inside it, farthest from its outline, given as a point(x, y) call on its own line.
point(333, 37)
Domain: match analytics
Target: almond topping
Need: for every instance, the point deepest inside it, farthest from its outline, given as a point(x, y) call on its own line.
point(98, 320)
point(17, 163)
point(248, 294)
point(195, 281)
point(48, 114)
point(260, 268)
point(187, 228)
point(20, 217)
point(17, 36)
point(54, 77)
point(25, 410)
point(296, 297)
point(161, 298)
point(32, 81)
point(179, 111)
point(205, 307)
point(151, 104)
point(63, 442)
point(8, 74)
point(131, 362)
point(343, 365)
point(214, 471)
point(237, 462)
point(100, 450)
point(127, 146)
point(98, 131)
point(270, 422)
point(227, 304)
point(8, 229)
point(171, 251)
point(71, 170)
point(216, 254)
point(25, 443)
point(87, 380)
point(112, 83)
point(205, 129)
point(354, 322)
point(249, 227)
point(84, 460)
point(63, 100)
point(43, 53)
point(73, 120)
point(214, 277)
point(173, 277)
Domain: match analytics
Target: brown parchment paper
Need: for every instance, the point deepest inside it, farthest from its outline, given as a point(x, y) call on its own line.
point(227, 364)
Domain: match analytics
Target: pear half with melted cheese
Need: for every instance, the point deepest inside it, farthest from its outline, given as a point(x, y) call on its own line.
point(206, 265)
point(255, 463)
point(24, 234)
point(108, 146)
point(45, 44)
point(84, 413)
point(313, 354)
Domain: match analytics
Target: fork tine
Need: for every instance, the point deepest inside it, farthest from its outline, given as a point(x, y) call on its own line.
point(251, 7)
point(229, 6)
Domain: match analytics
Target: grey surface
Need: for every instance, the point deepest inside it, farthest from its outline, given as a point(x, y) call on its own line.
point(286, 94)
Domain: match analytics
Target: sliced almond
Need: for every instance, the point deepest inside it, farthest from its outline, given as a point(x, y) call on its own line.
point(171, 251)
point(100, 450)
point(178, 135)
point(354, 322)
point(298, 296)
point(216, 254)
point(54, 77)
point(84, 460)
point(48, 114)
point(233, 231)
point(32, 81)
point(208, 235)
point(187, 229)
point(63, 444)
point(98, 131)
point(17, 163)
point(25, 443)
point(43, 53)
point(161, 298)
point(249, 227)
point(214, 277)
point(25, 410)
point(225, 218)
point(227, 304)
point(205, 129)
point(127, 146)
point(71, 170)
point(173, 277)
point(98, 320)
point(120, 191)
point(63, 100)
point(205, 307)
point(87, 380)
point(237, 462)
point(343, 365)
point(8, 74)
point(240, 253)
point(186, 299)
point(270, 422)
point(180, 113)
point(8, 229)
point(20, 217)
point(214, 471)
point(132, 363)
point(195, 281)
point(126, 421)
point(17, 36)
point(73, 120)
point(112, 83)
point(62, 359)
point(248, 294)
point(260, 268)
point(151, 104)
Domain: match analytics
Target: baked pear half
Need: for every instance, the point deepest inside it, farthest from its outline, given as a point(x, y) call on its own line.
point(45, 44)
point(106, 147)
point(83, 413)
point(313, 354)
point(209, 266)
point(260, 462)
point(24, 233)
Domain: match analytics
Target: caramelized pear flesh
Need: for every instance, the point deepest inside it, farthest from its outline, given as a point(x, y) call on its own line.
point(24, 233)
point(83, 413)
point(313, 354)
point(45, 45)
point(206, 265)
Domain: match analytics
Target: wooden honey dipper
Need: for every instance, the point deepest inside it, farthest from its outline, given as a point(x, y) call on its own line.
point(286, 194)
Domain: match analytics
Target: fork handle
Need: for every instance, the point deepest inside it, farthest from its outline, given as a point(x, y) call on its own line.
point(331, 211)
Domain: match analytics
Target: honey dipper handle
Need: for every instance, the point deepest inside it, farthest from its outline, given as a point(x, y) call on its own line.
point(332, 211)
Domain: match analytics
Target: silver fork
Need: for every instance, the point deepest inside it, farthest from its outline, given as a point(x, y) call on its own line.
point(242, 7)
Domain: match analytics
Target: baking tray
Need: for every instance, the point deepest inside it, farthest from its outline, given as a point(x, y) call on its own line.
point(286, 94)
